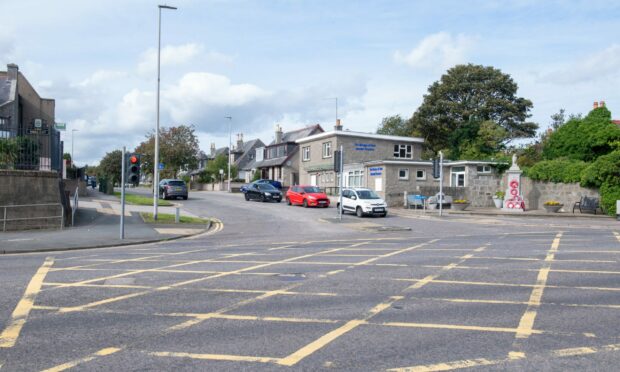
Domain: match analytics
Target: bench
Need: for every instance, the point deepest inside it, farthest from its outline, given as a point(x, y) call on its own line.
point(433, 201)
point(587, 204)
point(415, 201)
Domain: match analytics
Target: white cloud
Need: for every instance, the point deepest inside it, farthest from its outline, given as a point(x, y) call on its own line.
point(600, 65)
point(102, 76)
point(170, 55)
point(440, 50)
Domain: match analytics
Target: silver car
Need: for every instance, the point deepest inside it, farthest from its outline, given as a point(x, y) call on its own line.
point(172, 188)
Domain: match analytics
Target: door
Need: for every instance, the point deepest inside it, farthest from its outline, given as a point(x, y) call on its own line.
point(347, 202)
point(313, 180)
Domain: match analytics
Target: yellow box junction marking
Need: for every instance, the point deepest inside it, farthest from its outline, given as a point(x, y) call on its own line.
point(526, 324)
point(76, 362)
point(9, 336)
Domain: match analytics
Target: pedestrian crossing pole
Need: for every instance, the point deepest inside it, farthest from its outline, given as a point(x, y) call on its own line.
point(122, 232)
point(441, 197)
point(340, 166)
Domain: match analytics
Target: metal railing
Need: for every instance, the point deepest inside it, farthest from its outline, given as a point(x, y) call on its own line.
point(75, 205)
point(32, 151)
point(5, 220)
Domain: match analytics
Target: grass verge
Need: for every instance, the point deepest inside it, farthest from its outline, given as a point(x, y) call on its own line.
point(169, 218)
point(142, 200)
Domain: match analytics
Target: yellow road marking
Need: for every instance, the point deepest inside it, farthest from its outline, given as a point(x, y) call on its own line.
point(502, 302)
point(506, 284)
point(527, 320)
point(231, 358)
point(429, 278)
point(322, 341)
point(9, 336)
point(73, 363)
point(252, 317)
point(455, 327)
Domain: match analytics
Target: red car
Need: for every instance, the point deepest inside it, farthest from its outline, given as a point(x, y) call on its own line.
point(308, 196)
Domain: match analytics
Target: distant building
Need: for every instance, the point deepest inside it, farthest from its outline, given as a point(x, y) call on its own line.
point(280, 159)
point(23, 113)
point(244, 155)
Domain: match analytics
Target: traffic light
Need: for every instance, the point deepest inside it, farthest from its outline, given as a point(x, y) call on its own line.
point(133, 169)
point(436, 170)
point(337, 155)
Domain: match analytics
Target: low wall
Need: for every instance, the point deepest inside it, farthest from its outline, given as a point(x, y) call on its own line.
point(536, 193)
point(234, 186)
point(70, 186)
point(24, 189)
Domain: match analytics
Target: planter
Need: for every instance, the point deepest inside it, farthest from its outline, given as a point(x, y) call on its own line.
point(499, 203)
point(459, 206)
point(553, 208)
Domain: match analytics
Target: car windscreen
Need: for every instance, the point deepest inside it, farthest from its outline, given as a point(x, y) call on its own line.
point(176, 183)
point(265, 187)
point(367, 194)
point(311, 189)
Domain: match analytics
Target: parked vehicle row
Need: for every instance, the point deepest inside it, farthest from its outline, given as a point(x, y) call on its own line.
point(360, 201)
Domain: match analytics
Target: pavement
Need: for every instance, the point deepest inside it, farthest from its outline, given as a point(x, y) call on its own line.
point(97, 225)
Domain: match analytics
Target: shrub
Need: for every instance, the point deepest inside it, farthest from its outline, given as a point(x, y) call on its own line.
point(609, 194)
point(558, 170)
point(606, 169)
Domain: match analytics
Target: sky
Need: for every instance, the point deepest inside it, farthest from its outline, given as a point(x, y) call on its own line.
point(287, 62)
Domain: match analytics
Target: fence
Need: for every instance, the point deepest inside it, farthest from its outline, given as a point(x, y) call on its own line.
point(24, 217)
point(33, 151)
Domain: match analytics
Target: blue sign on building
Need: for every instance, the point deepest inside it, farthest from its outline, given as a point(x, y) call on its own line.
point(365, 147)
point(376, 171)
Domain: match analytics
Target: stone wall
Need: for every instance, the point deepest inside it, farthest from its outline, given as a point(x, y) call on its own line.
point(536, 193)
point(70, 186)
point(481, 188)
point(21, 190)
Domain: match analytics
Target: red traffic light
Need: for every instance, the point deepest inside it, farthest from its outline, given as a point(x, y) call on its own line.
point(133, 159)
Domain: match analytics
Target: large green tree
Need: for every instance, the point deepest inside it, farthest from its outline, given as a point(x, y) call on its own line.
point(178, 150)
point(469, 94)
point(110, 166)
point(395, 126)
point(583, 139)
point(212, 172)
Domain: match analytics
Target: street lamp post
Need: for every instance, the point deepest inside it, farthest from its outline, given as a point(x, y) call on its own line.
point(156, 165)
point(72, 158)
point(229, 146)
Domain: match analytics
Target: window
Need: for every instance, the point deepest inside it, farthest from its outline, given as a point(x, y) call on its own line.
point(403, 151)
point(356, 178)
point(457, 177)
point(483, 169)
point(327, 150)
point(420, 174)
point(305, 153)
point(403, 174)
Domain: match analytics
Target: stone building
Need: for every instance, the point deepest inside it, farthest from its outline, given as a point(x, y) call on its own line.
point(391, 166)
point(280, 159)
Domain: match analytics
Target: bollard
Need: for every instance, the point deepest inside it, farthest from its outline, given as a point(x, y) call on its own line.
point(618, 210)
point(177, 218)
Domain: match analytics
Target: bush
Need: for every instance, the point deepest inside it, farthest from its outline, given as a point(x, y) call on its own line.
point(606, 169)
point(558, 170)
point(609, 194)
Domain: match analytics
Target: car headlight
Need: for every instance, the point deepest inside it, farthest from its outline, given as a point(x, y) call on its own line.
point(311, 198)
point(267, 194)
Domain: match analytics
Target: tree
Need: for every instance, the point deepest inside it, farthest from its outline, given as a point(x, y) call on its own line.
point(468, 92)
point(178, 150)
point(395, 126)
point(110, 165)
point(583, 139)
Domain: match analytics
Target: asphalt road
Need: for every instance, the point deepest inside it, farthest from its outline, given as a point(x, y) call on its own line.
point(274, 287)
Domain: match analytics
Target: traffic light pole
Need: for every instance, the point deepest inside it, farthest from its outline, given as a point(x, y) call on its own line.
point(122, 232)
point(341, 181)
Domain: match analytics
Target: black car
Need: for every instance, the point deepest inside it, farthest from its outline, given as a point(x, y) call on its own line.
point(263, 192)
point(276, 184)
point(172, 189)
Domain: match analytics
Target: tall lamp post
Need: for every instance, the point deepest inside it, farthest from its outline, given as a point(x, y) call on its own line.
point(72, 158)
point(229, 146)
point(156, 165)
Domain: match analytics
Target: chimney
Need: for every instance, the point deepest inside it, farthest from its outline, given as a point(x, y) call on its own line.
point(212, 149)
point(239, 141)
point(601, 104)
point(278, 134)
point(338, 126)
point(12, 70)
point(595, 106)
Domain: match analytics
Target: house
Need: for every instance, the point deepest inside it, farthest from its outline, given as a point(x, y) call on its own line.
point(244, 155)
point(389, 165)
point(24, 114)
point(280, 159)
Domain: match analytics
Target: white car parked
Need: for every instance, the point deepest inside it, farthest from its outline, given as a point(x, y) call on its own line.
point(363, 202)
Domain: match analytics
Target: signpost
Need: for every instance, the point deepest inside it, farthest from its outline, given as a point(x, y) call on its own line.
point(122, 232)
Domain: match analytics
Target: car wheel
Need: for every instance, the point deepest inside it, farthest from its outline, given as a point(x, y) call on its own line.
point(359, 212)
point(185, 197)
point(305, 203)
point(384, 214)
point(247, 197)
point(262, 198)
point(164, 195)
point(279, 200)
point(288, 201)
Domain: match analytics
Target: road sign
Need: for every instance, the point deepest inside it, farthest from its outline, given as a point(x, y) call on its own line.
point(161, 166)
point(60, 126)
